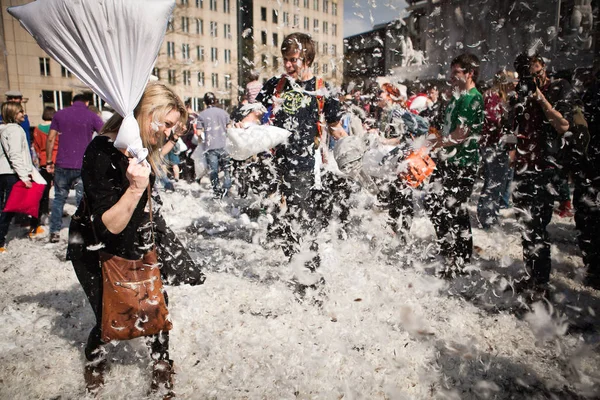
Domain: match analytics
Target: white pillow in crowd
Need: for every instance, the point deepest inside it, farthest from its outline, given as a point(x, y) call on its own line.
point(243, 143)
point(110, 45)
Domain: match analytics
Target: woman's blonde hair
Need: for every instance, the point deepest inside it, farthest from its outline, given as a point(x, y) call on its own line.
point(503, 83)
point(10, 109)
point(156, 102)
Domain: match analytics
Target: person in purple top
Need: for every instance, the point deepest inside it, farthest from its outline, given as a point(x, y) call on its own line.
point(76, 126)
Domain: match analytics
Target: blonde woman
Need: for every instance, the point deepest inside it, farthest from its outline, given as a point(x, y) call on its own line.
point(493, 148)
point(114, 210)
point(15, 162)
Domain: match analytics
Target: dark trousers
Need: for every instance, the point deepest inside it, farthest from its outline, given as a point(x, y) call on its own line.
point(533, 197)
point(586, 199)
point(400, 207)
point(89, 274)
point(446, 203)
point(7, 181)
point(299, 222)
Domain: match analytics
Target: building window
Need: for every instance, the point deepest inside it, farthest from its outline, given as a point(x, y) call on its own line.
point(200, 53)
point(325, 67)
point(56, 99)
point(156, 72)
point(334, 29)
point(200, 78)
point(306, 3)
point(296, 2)
point(185, 24)
point(264, 61)
point(325, 6)
point(275, 14)
point(324, 48)
point(333, 50)
point(286, 18)
point(185, 51)
point(199, 3)
point(214, 54)
point(334, 10)
point(65, 73)
point(187, 78)
point(184, 2)
point(227, 56)
point(275, 62)
point(199, 26)
point(316, 5)
point(316, 25)
point(306, 23)
point(316, 68)
point(213, 5)
point(170, 25)
point(171, 77)
point(171, 49)
point(227, 81)
point(275, 39)
point(263, 13)
point(226, 8)
point(325, 27)
point(227, 31)
point(263, 37)
point(215, 80)
point(316, 47)
point(213, 29)
point(296, 20)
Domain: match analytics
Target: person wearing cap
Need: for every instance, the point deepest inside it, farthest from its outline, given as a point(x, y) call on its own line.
point(213, 123)
point(75, 125)
point(14, 96)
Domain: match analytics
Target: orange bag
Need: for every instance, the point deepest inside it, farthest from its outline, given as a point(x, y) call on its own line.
point(420, 167)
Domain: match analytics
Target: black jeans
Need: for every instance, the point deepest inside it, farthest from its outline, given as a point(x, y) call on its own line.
point(533, 197)
point(586, 200)
point(446, 204)
point(299, 222)
point(89, 274)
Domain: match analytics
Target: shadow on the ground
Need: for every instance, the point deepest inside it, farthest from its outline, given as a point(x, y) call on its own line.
point(472, 374)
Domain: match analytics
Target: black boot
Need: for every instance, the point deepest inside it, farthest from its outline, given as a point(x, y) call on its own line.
point(162, 378)
point(94, 376)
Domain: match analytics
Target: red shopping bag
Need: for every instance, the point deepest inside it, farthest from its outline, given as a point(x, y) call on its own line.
point(25, 201)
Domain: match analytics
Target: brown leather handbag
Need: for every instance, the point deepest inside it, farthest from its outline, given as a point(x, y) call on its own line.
point(133, 302)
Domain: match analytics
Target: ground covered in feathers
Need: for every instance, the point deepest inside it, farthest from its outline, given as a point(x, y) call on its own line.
point(382, 326)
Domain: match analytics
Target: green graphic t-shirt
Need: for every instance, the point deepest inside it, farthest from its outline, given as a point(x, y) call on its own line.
point(466, 109)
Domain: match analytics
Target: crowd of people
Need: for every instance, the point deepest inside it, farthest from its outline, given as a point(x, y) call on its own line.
point(528, 135)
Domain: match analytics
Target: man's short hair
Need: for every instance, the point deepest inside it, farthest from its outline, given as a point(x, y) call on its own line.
point(469, 63)
point(81, 97)
point(299, 42)
point(210, 98)
point(188, 102)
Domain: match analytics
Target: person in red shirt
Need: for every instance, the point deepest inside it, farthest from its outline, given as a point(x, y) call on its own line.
point(40, 136)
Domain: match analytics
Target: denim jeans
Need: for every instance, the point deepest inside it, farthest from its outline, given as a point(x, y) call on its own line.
point(495, 174)
point(64, 180)
point(218, 158)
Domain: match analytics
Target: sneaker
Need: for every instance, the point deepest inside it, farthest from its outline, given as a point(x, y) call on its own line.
point(54, 237)
point(37, 232)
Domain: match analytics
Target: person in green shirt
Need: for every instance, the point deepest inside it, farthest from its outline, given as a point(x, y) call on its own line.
point(457, 155)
